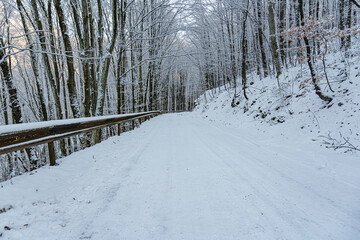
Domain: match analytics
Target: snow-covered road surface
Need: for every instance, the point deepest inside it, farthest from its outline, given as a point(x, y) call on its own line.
point(180, 177)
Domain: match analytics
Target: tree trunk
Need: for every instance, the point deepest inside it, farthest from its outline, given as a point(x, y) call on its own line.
point(106, 66)
point(74, 104)
point(244, 53)
point(274, 46)
point(86, 54)
point(261, 38)
point(105, 69)
point(347, 40)
point(342, 20)
point(14, 101)
point(282, 6)
point(309, 59)
point(121, 64)
point(4, 102)
point(55, 67)
point(34, 64)
point(52, 81)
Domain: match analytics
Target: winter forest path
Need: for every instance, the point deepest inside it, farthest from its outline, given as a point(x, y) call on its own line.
point(180, 177)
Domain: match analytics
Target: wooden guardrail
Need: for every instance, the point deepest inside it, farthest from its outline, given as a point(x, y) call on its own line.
point(19, 136)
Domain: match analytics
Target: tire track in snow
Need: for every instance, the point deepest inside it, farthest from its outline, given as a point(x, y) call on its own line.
point(247, 188)
point(252, 166)
point(122, 173)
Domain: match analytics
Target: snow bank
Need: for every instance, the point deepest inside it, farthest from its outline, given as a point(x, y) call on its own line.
point(294, 112)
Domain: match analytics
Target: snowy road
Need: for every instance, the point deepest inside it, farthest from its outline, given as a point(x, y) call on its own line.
point(181, 177)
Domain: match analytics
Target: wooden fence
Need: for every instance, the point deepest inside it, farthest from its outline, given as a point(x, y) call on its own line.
point(20, 136)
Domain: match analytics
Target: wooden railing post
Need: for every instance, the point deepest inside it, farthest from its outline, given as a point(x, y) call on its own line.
point(119, 129)
point(52, 154)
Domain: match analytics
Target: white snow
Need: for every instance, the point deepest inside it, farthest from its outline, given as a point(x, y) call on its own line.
point(5, 129)
point(180, 176)
point(294, 112)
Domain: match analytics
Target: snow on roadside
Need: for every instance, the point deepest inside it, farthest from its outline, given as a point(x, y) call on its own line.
point(295, 113)
point(54, 198)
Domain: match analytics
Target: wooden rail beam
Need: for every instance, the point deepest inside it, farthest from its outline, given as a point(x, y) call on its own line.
point(22, 136)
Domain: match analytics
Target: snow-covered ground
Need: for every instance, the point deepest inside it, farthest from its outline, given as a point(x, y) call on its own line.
point(180, 176)
point(294, 112)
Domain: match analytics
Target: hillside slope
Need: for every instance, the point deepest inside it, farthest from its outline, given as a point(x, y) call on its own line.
point(294, 112)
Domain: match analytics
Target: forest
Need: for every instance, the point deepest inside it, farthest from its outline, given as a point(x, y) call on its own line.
point(63, 59)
